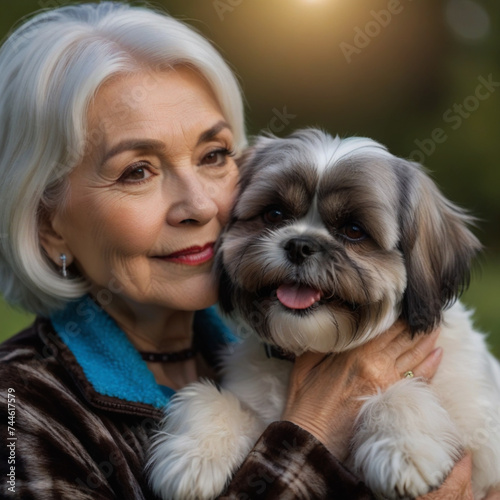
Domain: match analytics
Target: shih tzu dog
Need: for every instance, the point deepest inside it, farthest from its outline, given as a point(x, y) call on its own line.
point(330, 242)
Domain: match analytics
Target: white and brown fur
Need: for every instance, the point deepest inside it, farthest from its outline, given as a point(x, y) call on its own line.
point(412, 262)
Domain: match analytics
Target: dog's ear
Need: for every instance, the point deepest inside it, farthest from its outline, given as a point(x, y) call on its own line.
point(225, 292)
point(248, 163)
point(255, 157)
point(437, 246)
point(224, 283)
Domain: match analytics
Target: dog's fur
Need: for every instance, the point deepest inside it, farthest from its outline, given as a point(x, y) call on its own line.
point(368, 238)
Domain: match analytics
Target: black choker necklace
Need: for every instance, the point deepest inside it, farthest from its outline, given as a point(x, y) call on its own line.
point(168, 357)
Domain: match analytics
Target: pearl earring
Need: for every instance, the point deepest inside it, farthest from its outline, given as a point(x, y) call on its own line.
point(64, 273)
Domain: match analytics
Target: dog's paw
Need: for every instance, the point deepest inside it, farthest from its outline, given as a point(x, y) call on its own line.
point(203, 438)
point(394, 472)
point(405, 443)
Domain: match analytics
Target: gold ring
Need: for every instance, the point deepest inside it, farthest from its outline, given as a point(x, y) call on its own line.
point(408, 374)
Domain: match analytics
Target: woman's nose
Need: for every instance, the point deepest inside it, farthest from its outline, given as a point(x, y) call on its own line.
point(192, 201)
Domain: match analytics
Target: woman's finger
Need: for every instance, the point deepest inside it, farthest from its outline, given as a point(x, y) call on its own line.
point(398, 342)
point(457, 486)
point(428, 368)
point(417, 352)
point(397, 335)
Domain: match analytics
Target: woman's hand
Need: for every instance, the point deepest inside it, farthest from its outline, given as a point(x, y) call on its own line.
point(458, 485)
point(325, 391)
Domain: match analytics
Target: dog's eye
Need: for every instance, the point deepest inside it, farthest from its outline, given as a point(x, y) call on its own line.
point(353, 232)
point(273, 216)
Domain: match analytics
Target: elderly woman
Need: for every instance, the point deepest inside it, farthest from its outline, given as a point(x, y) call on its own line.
point(119, 132)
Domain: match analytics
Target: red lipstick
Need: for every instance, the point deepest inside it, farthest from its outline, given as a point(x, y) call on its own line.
point(192, 256)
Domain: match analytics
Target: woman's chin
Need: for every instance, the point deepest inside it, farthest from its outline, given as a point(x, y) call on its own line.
point(193, 294)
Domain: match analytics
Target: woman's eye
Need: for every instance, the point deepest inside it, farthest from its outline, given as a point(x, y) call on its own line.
point(353, 232)
point(136, 174)
point(273, 216)
point(217, 157)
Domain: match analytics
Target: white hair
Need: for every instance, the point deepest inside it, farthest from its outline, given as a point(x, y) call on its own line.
point(50, 69)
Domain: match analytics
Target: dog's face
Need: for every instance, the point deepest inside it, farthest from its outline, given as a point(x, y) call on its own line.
point(332, 240)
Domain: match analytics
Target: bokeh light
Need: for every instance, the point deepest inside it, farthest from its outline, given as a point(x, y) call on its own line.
point(467, 19)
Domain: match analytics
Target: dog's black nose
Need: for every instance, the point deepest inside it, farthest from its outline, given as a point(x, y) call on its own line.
point(300, 248)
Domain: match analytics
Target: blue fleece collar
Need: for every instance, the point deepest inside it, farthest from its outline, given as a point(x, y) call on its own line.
point(109, 360)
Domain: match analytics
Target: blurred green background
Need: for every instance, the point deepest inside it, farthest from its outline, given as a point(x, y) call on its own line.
point(421, 77)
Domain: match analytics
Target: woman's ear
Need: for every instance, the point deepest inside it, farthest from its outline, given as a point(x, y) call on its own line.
point(52, 241)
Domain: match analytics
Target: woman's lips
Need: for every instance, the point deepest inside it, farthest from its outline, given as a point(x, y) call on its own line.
point(192, 256)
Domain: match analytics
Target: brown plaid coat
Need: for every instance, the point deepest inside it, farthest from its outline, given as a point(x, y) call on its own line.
point(74, 443)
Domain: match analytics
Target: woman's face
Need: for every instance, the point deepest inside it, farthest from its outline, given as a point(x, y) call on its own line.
point(153, 192)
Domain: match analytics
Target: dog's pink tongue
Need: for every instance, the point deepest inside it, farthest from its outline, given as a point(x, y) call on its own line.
point(297, 297)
